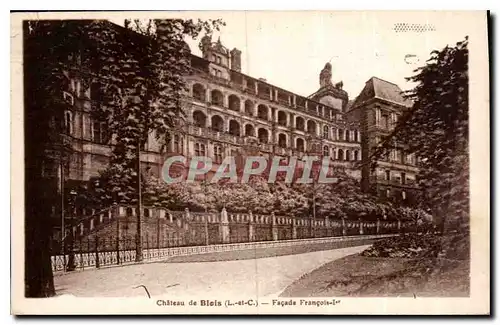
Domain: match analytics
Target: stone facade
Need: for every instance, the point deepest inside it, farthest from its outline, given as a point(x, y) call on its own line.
point(230, 113)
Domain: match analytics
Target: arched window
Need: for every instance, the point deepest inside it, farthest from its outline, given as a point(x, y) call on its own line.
point(234, 103)
point(178, 143)
point(356, 137)
point(218, 154)
point(282, 118)
point(356, 155)
point(96, 91)
point(234, 127)
point(263, 112)
point(341, 135)
point(347, 135)
point(199, 149)
point(217, 123)
point(282, 140)
point(199, 119)
point(347, 155)
point(311, 127)
point(199, 92)
point(299, 123)
point(325, 132)
point(68, 122)
point(249, 130)
point(217, 98)
point(326, 151)
point(249, 107)
point(340, 154)
point(263, 135)
point(300, 145)
point(99, 133)
point(334, 133)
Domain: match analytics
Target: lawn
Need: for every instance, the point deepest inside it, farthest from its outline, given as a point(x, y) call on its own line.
point(368, 276)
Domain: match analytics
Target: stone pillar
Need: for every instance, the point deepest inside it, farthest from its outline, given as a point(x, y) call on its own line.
point(344, 229)
point(251, 227)
point(399, 225)
point(378, 226)
point(224, 226)
point(361, 230)
point(256, 88)
point(207, 95)
point(294, 228)
point(187, 218)
point(327, 225)
point(274, 226)
point(242, 105)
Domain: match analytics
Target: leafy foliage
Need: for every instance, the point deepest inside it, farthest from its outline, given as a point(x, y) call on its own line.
point(407, 246)
point(141, 69)
point(343, 199)
point(436, 130)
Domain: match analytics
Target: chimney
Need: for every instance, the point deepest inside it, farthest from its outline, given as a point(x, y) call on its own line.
point(236, 60)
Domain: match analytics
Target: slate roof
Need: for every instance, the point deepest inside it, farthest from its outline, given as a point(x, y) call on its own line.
point(382, 89)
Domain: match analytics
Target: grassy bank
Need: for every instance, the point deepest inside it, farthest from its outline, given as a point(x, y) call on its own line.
point(389, 271)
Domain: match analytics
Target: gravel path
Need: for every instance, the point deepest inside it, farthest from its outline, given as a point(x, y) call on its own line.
point(249, 278)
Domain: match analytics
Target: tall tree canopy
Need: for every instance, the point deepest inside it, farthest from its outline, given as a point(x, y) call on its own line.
point(141, 71)
point(436, 130)
point(140, 68)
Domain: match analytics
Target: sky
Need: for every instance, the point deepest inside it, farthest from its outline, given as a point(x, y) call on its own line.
point(289, 49)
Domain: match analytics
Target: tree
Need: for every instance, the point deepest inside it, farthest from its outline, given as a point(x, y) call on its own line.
point(141, 70)
point(48, 57)
point(141, 73)
point(435, 129)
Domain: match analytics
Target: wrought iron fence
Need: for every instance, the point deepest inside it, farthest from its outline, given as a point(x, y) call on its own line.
point(115, 243)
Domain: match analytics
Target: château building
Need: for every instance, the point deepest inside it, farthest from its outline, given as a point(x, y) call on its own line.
point(228, 112)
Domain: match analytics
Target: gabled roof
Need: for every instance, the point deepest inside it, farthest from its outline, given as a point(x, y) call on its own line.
point(381, 89)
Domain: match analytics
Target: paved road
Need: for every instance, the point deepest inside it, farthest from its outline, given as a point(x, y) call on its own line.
point(249, 278)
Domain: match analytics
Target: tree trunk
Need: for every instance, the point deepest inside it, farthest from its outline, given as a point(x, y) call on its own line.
point(38, 269)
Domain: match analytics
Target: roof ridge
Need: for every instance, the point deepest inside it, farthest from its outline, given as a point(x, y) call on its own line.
point(389, 82)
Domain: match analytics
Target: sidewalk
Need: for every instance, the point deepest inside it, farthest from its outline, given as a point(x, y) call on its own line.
point(249, 278)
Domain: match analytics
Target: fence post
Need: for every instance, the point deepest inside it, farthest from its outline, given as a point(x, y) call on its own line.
point(344, 230)
point(224, 226)
point(274, 226)
point(187, 233)
point(294, 228)
point(399, 226)
point(361, 232)
point(207, 239)
point(158, 233)
point(80, 247)
point(251, 227)
point(97, 264)
point(117, 240)
point(378, 226)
